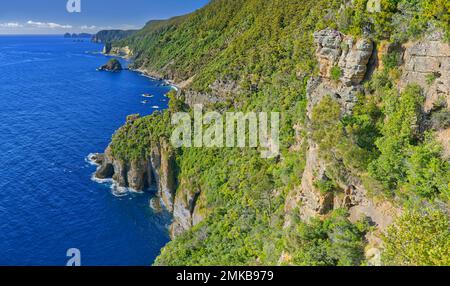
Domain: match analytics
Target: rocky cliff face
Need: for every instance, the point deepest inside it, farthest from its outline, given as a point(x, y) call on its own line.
point(337, 50)
point(163, 165)
point(353, 58)
point(185, 205)
point(157, 170)
point(112, 65)
point(427, 63)
point(124, 52)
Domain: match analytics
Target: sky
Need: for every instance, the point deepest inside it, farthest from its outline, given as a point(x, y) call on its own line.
point(53, 17)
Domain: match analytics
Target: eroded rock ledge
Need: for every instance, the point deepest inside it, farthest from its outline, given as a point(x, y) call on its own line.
point(158, 170)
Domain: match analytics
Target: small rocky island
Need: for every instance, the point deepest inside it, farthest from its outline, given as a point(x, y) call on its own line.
point(113, 65)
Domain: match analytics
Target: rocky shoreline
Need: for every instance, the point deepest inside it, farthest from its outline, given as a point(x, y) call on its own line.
point(126, 54)
point(157, 171)
point(154, 172)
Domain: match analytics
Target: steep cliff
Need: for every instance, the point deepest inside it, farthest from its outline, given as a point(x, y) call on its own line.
point(427, 62)
point(124, 52)
point(140, 157)
point(424, 62)
point(109, 36)
point(155, 169)
point(334, 50)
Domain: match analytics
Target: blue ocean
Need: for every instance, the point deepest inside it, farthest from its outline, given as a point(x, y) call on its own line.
point(55, 110)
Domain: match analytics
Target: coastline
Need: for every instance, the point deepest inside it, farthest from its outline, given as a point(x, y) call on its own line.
point(149, 75)
point(61, 116)
point(116, 190)
point(94, 158)
point(146, 73)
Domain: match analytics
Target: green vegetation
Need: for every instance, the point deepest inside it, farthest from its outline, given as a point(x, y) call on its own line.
point(135, 138)
point(338, 138)
point(406, 160)
point(397, 20)
point(419, 237)
point(245, 220)
point(332, 241)
point(325, 186)
point(399, 131)
point(266, 48)
point(431, 78)
point(335, 73)
point(392, 60)
point(108, 36)
point(251, 41)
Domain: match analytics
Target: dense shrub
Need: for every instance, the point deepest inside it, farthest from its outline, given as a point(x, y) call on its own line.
point(335, 73)
point(332, 241)
point(418, 237)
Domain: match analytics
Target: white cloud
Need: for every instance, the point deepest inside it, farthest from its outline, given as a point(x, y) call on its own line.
point(128, 27)
point(89, 27)
point(10, 25)
point(48, 25)
point(37, 27)
point(120, 27)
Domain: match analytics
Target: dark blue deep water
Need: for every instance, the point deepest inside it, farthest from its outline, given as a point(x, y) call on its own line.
point(55, 109)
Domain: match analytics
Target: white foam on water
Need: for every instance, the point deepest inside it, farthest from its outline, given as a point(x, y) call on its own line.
point(101, 181)
point(89, 159)
point(118, 191)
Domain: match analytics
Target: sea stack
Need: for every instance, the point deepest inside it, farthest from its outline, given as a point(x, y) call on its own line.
point(112, 65)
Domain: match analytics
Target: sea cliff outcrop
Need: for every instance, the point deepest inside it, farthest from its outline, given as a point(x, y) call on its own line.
point(123, 52)
point(162, 162)
point(157, 170)
point(112, 65)
point(108, 36)
point(183, 213)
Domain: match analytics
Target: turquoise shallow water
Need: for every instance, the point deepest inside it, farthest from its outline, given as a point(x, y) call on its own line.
point(55, 109)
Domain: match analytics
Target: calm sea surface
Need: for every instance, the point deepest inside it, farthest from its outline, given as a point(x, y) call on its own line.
point(55, 109)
